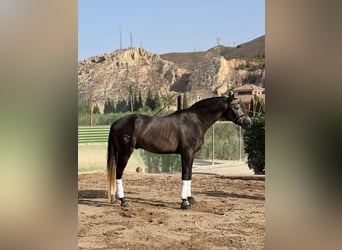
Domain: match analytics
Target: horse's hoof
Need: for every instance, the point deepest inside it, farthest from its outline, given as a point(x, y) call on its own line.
point(185, 204)
point(191, 200)
point(112, 200)
point(124, 203)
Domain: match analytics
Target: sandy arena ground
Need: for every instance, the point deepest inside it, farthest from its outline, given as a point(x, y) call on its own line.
point(230, 213)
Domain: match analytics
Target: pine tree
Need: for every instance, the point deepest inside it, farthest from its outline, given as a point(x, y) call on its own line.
point(106, 107)
point(122, 106)
point(130, 99)
point(109, 107)
point(149, 100)
point(112, 106)
point(140, 101)
point(83, 106)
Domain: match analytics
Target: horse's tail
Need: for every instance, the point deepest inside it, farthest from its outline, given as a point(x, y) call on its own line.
point(111, 168)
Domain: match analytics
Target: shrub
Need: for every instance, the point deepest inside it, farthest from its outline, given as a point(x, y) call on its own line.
point(254, 139)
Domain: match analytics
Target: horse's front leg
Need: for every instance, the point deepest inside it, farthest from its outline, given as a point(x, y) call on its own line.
point(187, 199)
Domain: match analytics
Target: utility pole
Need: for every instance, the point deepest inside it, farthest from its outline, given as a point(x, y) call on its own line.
point(91, 104)
point(131, 40)
point(218, 41)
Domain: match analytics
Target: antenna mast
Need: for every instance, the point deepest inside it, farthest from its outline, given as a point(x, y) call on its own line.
point(131, 40)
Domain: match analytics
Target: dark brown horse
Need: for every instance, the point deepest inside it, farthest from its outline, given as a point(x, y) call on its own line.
point(181, 132)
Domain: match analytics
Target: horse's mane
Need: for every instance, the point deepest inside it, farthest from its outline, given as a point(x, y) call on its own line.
point(205, 103)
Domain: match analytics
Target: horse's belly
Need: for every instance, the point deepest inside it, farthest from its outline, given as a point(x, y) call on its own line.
point(158, 145)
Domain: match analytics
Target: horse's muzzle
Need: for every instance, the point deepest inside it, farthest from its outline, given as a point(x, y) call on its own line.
point(245, 122)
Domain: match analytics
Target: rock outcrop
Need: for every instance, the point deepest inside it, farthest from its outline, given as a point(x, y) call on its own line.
point(111, 75)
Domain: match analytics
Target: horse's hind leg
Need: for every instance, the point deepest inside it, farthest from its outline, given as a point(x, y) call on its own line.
point(122, 162)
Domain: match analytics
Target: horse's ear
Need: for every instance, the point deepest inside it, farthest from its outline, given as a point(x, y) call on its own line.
point(231, 94)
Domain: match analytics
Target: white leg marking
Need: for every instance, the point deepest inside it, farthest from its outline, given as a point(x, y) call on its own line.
point(189, 189)
point(120, 188)
point(185, 189)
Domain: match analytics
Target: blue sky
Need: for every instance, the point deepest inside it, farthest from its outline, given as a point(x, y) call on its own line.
point(167, 26)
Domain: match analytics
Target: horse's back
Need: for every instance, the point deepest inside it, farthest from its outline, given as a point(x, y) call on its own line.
point(125, 123)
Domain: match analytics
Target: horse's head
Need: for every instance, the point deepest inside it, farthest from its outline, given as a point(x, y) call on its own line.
point(235, 113)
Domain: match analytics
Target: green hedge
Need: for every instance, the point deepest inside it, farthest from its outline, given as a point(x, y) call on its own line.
point(254, 139)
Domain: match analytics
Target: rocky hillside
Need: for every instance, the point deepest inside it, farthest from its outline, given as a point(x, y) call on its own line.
point(111, 75)
point(246, 50)
point(200, 74)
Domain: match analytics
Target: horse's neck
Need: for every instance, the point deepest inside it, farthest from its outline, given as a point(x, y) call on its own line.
point(209, 117)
